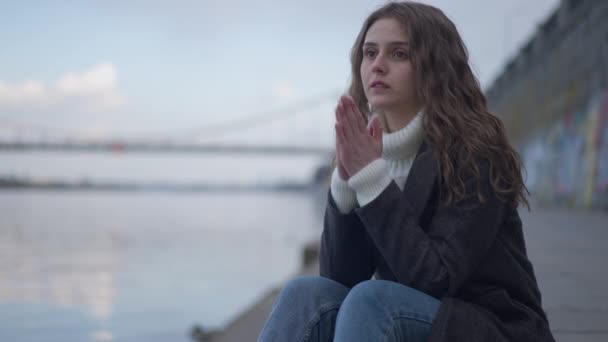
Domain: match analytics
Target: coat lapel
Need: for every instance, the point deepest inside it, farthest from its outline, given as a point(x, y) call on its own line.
point(421, 179)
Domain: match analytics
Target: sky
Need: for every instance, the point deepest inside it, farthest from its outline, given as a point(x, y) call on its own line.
point(161, 68)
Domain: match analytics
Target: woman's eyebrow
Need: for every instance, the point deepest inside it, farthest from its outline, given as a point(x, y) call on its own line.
point(403, 43)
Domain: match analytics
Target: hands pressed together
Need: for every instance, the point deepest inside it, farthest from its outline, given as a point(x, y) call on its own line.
point(357, 145)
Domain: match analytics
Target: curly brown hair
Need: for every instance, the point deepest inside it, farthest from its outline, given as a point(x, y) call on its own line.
point(453, 104)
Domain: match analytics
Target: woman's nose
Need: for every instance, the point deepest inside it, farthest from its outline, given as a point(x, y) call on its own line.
point(379, 66)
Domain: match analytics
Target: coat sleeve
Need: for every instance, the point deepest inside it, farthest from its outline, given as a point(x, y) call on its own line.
point(439, 259)
point(346, 254)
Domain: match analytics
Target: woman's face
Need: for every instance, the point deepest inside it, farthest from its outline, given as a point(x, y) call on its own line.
point(386, 69)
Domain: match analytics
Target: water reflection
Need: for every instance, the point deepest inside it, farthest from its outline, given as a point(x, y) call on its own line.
point(104, 266)
point(66, 270)
point(102, 335)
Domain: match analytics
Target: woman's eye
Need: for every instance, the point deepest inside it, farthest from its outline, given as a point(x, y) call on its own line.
point(400, 54)
point(369, 53)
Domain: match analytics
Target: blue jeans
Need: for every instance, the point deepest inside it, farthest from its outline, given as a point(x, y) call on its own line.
point(320, 309)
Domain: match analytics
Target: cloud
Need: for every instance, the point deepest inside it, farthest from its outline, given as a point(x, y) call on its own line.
point(91, 90)
point(283, 90)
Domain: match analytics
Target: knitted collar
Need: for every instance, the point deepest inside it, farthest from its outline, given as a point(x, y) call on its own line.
point(404, 143)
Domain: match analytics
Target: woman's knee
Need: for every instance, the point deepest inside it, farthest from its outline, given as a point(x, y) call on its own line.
point(306, 305)
point(388, 311)
point(367, 293)
point(313, 288)
point(386, 294)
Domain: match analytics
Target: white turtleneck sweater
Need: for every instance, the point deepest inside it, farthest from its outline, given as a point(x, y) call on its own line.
point(398, 152)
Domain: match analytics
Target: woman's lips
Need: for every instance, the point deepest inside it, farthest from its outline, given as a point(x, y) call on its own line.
point(379, 85)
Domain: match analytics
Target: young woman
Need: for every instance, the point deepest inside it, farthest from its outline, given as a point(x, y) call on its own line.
point(424, 199)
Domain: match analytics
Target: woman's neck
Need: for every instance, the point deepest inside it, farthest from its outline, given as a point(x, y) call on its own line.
point(397, 119)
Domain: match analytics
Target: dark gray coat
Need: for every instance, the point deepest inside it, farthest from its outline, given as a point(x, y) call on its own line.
point(471, 256)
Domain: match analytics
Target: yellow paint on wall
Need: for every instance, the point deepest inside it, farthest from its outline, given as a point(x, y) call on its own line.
point(591, 152)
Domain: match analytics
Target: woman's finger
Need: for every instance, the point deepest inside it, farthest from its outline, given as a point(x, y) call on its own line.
point(357, 117)
point(350, 124)
point(336, 113)
point(340, 113)
point(336, 135)
point(340, 153)
point(346, 122)
point(340, 139)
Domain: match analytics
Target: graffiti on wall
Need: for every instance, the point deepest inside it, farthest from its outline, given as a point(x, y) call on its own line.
point(601, 176)
point(568, 162)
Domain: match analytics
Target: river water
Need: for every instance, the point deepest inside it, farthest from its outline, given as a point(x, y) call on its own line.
point(138, 265)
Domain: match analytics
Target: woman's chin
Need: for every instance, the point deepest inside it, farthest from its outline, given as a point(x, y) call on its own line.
point(381, 104)
point(382, 98)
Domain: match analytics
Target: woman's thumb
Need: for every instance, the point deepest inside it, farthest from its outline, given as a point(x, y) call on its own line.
point(374, 127)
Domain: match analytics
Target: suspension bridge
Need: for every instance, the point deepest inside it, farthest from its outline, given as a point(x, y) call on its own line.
point(303, 128)
point(300, 128)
